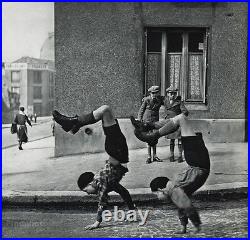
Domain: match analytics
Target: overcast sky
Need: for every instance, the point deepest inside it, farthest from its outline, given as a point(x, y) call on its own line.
point(25, 27)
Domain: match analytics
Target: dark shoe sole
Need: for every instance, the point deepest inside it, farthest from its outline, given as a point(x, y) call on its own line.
point(58, 118)
point(172, 160)
point(135, 123)
point(180, 160)
point(157, 160)
point(75, 129)
point(66, 128)
point(145, 137)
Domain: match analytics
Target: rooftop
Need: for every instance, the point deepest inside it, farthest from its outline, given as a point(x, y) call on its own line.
point(31, 60)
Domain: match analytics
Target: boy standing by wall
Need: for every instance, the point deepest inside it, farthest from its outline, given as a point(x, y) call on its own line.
point(149, 113)
point(174, 106)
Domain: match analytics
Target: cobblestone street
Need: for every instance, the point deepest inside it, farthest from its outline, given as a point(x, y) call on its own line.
point(220, 219)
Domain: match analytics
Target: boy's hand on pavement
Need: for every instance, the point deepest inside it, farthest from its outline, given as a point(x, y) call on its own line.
point(93, 226)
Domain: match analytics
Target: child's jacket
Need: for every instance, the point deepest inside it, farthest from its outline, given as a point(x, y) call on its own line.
point(171, 110)
point(104, 181)
point(175, 108)
point(149, 110)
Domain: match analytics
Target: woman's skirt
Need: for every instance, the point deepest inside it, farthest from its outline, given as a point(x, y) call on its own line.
point(22, 134)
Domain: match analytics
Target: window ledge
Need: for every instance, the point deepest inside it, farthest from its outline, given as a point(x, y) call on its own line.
point(196, 106)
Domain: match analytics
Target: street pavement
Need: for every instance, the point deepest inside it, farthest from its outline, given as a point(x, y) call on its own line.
point(35, 170)
point(39, 130)
point(219, 219)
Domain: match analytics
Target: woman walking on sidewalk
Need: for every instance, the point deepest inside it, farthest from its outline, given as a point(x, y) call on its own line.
point(21, 119)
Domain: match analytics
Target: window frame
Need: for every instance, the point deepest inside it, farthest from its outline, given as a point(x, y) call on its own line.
point(38, 96)
point(19, 76)
point(36, 106)
point(183, 91)
point(37, 77)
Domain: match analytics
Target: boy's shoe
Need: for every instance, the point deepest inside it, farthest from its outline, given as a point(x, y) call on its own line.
point(148, 137)
point(141, 126)
point(20, 148)
point(75, 128)
point(180, 160)
point(67, 123)
point(156, 159)
point(171, 158)
point(182, 231)
point(148, 160)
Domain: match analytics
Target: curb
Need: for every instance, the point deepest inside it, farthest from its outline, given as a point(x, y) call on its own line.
point(139, 195)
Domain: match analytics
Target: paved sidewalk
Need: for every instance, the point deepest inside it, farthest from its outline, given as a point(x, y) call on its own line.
point(36, 175)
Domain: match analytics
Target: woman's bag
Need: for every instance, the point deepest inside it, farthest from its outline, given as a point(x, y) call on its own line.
point(13, 128)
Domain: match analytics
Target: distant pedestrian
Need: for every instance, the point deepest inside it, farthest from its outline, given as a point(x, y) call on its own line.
point(21, 119)
point(148, 113)
point(174, 106)
point(35, 117)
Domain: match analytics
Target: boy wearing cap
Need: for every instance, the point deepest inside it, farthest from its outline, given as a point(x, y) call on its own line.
point(104, 181)
point(108, 178)
point(186, 183)
point(149, 113)
point(174, 106)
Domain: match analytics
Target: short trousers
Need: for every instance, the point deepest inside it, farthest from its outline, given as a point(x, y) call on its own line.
point(115, 143)
point(191, 179)
point(195, 151)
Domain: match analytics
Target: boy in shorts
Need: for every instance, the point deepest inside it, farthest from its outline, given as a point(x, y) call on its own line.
point(108, 178)
point(186, 183)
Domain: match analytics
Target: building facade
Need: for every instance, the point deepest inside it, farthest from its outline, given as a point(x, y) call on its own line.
point(112, 52)
point(29, 82)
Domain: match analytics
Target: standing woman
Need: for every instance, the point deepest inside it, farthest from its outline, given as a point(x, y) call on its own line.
point(148, 113)
point(21, 119)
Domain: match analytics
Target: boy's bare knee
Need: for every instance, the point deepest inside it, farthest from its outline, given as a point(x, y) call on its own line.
point(106, 108)
point(179, 119)
point(107, 116)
